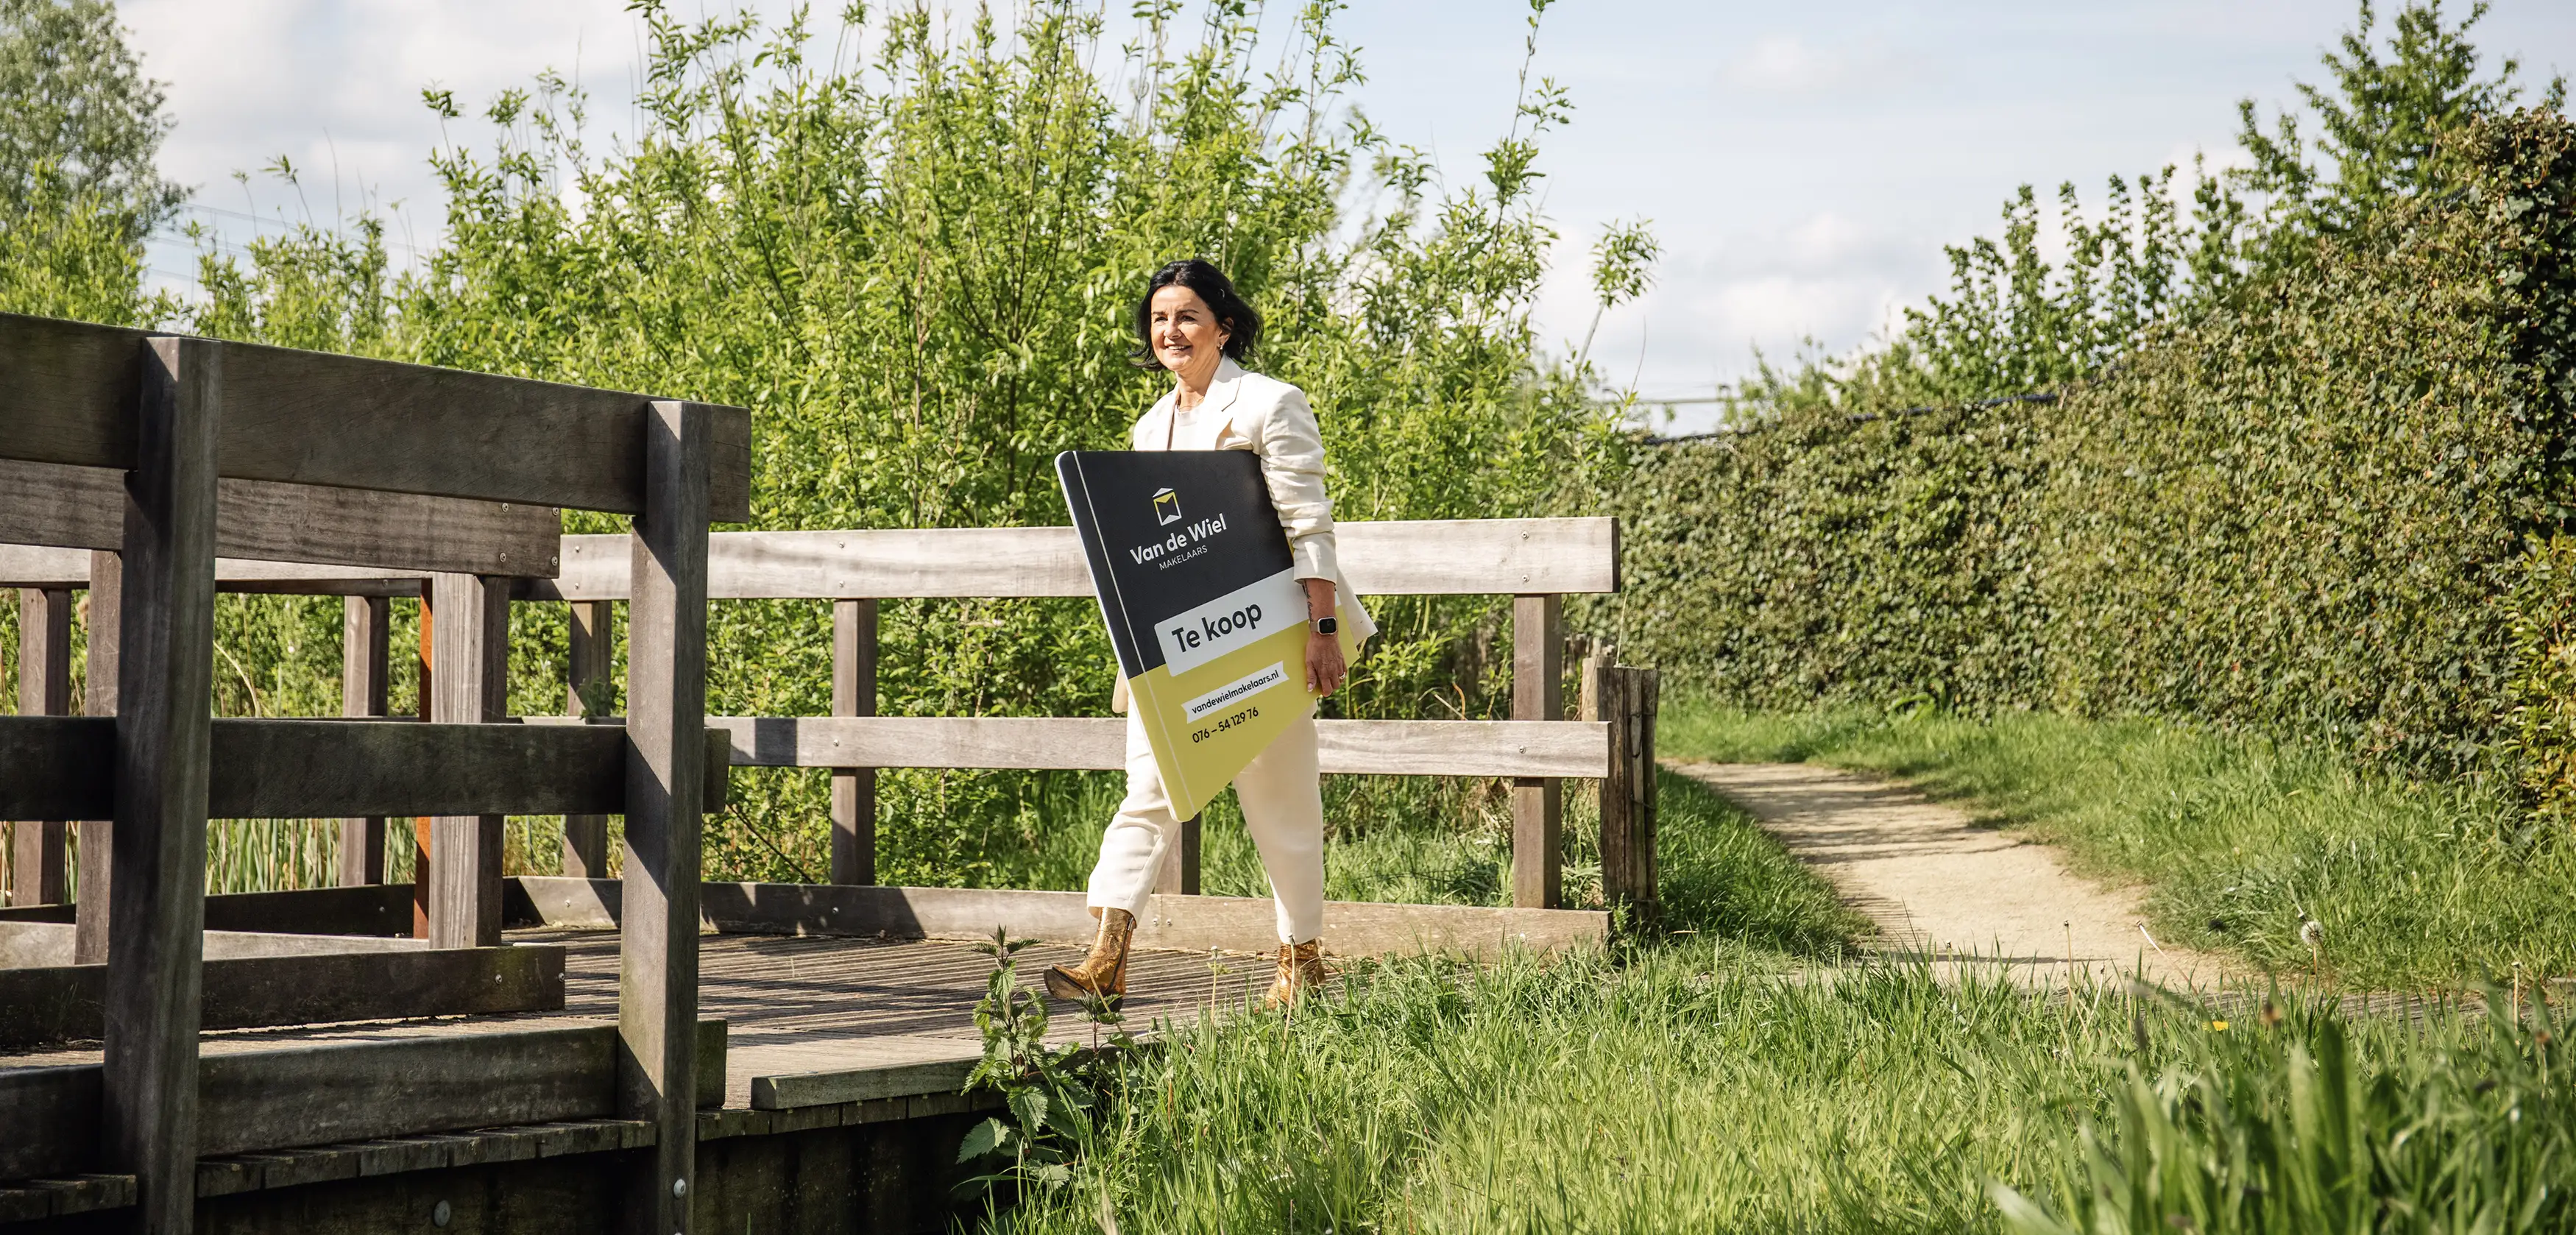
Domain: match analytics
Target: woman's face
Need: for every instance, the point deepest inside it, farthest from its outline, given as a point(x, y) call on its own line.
point(1187, 338)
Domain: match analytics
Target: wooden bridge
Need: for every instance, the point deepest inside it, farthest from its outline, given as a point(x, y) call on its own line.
point(570, 1052)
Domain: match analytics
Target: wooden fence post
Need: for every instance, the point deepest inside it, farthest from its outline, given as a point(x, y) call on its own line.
point(1538, 804)
point(1626, 699)
point(1180, 873)
point(98, 698)
point(365, 652)
point(420, 824)
point(164, 722)
point(472, 652)
point(666, 696)
point(854, 693)
point(594, 655)
point(36, 875)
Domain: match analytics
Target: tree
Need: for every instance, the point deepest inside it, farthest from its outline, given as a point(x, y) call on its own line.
point(2382, 120)
point(79, 123)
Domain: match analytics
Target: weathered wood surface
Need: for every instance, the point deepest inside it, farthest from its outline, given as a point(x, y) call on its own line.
point(39, 848)
point(376, 910)
point(1394, 558)
point(471, 687)
point(1394, 747)
point(98, 699)
point(1538, 801)
point(589, 672)
point(319, 769)
point(366, 625)
point(164, 710)
point(353, 1083)
point(63, 1003)
point(31, 566)
point(1185, 923)
point(83, 508)
point(34, 945)
point(1627, 700)
point(311, 418)
point(666, 667)
point(854, 789)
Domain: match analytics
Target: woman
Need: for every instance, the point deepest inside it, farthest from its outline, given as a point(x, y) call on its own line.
point(1192, 324)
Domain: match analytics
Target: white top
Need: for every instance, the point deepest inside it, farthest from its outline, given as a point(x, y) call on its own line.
point(1247, 411)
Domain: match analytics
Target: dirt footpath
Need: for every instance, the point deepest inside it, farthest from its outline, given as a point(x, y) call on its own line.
point(1939, 885)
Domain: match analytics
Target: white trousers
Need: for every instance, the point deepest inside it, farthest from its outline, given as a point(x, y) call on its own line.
point(1283, 807)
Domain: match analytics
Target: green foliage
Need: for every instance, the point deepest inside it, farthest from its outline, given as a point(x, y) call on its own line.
point(2383, 123)
point(80, 122)
point(1054, 1098)
point(2278, 1124)
point(916, 270)
point(2237, 840)
point(2307, 510)
point(2303, 506)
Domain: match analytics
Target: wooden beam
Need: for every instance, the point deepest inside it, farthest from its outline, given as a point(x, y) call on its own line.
point(31, 566)
point(374, 910)
point(1538, 803)
point(285, 1097)
point(590, 680)
point(39, 847)
point(313, 418)
point(471, 687)
point(666, 665)
point(1397, 558)
point(98, 700)
point(854, 789)
point(321, 769)
point(63, 1003)
point(366, 628)
point(1188, 923)
point(1369, 747)
point(165, 703)
point(79, 508)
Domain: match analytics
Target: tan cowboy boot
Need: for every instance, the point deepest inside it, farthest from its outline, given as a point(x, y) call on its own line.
point(1301, 968)
point(1103, 974)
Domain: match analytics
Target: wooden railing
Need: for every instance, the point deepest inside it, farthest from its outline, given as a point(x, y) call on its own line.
point(150, 457)
point(1536, 560)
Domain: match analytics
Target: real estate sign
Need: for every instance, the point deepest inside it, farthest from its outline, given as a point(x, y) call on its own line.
point(1208, 619)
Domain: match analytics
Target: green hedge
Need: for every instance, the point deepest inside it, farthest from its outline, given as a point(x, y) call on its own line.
point(2312, 508)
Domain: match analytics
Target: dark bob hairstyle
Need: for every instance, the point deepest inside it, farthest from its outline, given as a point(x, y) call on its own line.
point(1242, 325)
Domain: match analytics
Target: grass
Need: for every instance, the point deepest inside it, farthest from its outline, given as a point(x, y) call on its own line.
point(2235, 838)
point(1711, 1085)
point(1688, 1090)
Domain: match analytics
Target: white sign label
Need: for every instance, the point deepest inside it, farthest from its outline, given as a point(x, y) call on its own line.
point(1230, 621)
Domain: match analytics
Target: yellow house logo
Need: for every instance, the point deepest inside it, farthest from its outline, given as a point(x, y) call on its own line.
point(1167, 507)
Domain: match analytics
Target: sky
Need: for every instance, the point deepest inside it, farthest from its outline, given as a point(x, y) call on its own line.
point(1802, 165)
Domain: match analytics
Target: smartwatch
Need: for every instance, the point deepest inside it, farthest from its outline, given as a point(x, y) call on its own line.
point(1327, 625)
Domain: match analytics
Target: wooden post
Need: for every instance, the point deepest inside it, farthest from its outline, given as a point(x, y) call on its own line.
point(98, 698)
point(36, 875)
point(854, 693)
point(421, 708)
point(1538, 804)
point(365, 651)
point(472, 687)
point(594, 654)
point(1626, 698)
point(1180, 873)
point(163, 727)
point(666, 696)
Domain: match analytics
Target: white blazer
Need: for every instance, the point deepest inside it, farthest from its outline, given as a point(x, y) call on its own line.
point(1246, 411)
